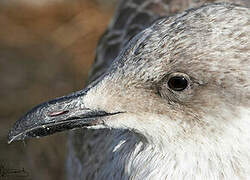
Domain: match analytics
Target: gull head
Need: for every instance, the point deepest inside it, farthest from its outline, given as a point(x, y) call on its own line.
point(185, 79)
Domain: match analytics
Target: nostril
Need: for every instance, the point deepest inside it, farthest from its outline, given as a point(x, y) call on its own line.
point(57, 113)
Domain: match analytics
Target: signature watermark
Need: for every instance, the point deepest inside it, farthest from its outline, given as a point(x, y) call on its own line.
point(8, 172)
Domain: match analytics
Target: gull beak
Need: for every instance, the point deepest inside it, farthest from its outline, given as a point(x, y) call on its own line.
point(57, 115)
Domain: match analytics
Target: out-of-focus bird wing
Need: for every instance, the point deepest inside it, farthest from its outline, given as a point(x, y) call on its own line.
point(131, 17)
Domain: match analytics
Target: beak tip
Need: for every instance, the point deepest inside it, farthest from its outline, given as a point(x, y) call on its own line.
point(9, 141)
point(12, 137)
point(16, 133)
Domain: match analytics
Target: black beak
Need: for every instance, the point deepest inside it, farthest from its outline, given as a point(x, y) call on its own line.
point(57, 115)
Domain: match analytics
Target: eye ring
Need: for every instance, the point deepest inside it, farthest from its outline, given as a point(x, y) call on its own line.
point(178, 82)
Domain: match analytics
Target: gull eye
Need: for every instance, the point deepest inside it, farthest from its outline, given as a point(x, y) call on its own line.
point(178, 83)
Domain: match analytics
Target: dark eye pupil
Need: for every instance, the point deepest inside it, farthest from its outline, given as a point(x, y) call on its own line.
point(177, 83)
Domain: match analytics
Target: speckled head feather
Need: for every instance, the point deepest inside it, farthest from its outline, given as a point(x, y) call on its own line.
point(199, 133)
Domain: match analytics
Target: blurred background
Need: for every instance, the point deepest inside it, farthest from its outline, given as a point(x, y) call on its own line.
point(46, 50)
